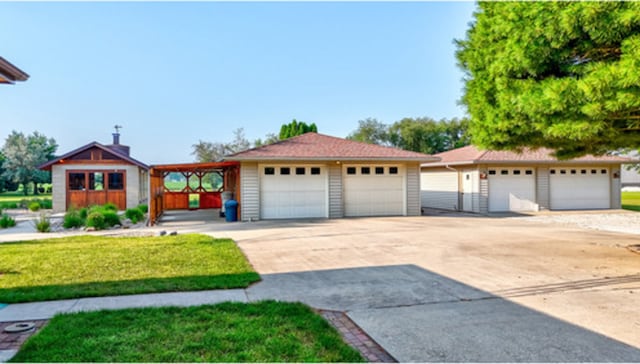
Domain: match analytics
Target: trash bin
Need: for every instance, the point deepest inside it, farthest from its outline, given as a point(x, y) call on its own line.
point(225, 196)
point(231, 210)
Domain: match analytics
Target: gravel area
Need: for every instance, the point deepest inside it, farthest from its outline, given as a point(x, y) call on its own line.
point(616, 221)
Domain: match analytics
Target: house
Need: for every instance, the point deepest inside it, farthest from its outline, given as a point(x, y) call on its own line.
point(10, 73)
point(320, 176)
point(469, 179)
point(96, 174)
point(630, 176)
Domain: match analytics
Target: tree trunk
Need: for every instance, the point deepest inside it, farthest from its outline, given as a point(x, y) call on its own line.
point(35, 188)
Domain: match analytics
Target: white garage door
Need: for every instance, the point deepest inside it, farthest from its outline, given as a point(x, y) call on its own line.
point(371, 190)
point(439, 190)
point(290, 192)
point(579, 188)
point(512, 189)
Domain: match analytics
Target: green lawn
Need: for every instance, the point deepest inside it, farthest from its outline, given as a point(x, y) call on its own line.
point(631, 201)
point(12, 199)
point(266, 331)
point(86, 266)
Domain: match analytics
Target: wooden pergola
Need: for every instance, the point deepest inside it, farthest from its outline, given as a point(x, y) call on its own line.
point(162, 198)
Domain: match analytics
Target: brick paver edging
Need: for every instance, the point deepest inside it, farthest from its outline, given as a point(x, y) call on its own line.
point(356, 337)
point(13, 341)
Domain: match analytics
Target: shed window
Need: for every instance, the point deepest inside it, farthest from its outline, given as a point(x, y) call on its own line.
point(562, 171)
point(351, 170)
point(492, 172)
point(116, 181)
point(96, 181)
point(393, 170)
point(365, 170)
point(553, 171)
point(300, 170)
point(315, 170)
point(593, 171)
point(516, 171)
point(504, 172)
point(270, 171)
point(285, 171)
point(573, 171)
point(528, 172)
point(583, 171)
point(603, 171)
point(379, 170)
point(76, 181)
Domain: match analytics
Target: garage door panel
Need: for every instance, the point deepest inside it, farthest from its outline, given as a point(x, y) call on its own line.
point(293, 195)
point(513, 191)
point(587, 188)
point(374, 194)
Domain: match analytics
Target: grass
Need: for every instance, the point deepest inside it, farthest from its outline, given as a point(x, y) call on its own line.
point(87, 266)
point(9, 200)
point(631, 201)
point(266, 331)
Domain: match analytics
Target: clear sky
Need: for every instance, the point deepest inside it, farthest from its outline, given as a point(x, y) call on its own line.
point(173, 73)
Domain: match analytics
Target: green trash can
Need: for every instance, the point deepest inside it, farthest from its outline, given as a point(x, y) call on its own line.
point(231, 211)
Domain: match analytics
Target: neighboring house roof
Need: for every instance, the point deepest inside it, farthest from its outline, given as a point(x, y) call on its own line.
point(314, 146)
point(472, 155)
point(47, 166)
point(10, 73)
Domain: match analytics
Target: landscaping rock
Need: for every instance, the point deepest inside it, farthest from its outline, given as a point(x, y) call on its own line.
point(162, 233)
point(173, 233)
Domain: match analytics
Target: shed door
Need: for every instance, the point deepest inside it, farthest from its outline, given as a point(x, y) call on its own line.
point(293, 191)
point(439, 189)
point(579, 188)
point(374, 190)
point(512, 189)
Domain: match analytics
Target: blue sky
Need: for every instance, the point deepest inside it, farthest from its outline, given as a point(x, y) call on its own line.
point(173, 73)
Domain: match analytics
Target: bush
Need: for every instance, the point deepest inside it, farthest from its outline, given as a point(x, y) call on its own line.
point(7, 221)
point(134, 215)
point(43, 224)
point(111, 218)
point(83, 212)
point(110, 207)
point(9, 205)
point(73, 219)
point(46, 204)
point(34, 206)
point(96, 220)
point(24, 203)
point(144, 208)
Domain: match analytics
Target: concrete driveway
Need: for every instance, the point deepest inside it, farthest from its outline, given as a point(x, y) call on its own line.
point(459, 288)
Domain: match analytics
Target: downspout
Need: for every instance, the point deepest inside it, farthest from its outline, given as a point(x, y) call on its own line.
point(457, 207)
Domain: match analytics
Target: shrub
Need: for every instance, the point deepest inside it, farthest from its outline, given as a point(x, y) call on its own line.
point(9, 205)
point(83, 212)
point(111, 218)
point(24, 203)
point(73, 219)
point(96, 220)
point(134, 215)
point(43, 224)
point(34, 206)
point(7, 221)
point(110, 207)
point(144, 208)
point(46, 204)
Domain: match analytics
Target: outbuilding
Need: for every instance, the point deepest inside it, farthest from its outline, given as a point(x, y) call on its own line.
point(320, 176)
point(469, 179)
point(95, 174)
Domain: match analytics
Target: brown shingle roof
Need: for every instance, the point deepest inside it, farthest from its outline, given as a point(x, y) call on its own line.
point(10, 73)
point(314, 146)
point(473, 155)
point(47, 165)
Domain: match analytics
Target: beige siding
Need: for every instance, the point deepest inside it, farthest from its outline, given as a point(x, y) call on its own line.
point(58, 189)
point(483, 196)
point(616, 185)
point(336, 207)
point(59, 181)
point(542, 187)
point(250, 192)
point(439, 189)
point(413, 190)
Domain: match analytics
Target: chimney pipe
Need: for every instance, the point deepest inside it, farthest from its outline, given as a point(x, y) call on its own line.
point(116, 138)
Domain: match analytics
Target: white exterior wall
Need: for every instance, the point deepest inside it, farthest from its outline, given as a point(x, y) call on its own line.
point(413, 190)
point(336, 207)
point(249, 192)
point(59, 182)
point(542, 187)
point(616, 186)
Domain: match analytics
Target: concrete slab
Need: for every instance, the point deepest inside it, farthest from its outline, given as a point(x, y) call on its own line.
point(6, 355)
point(159, 299)
point(359, 288)
point(35, 310)
point(490, 330)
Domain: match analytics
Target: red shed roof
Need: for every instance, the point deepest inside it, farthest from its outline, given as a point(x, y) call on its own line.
point(472, 155)
point(314, 146)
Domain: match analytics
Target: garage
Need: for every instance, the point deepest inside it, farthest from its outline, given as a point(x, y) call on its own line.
point(575, 188)
point(439, 190)
point(374, 190)
point(293, 191)
point(512, 189)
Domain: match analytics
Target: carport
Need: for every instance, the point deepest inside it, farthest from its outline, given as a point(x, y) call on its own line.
point(191, 186)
